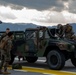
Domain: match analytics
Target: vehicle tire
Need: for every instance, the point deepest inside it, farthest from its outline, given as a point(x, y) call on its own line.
point(55, 60)
point(31, 59)
point(73, 60)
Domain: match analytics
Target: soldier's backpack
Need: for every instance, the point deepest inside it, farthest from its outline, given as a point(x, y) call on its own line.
point(2, 36)
point(16, 66)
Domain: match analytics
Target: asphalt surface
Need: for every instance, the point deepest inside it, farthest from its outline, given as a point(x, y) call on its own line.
point(41, 68)
point(18, 72)
point(41, 64)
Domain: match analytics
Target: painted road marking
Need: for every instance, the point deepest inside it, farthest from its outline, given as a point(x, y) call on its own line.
point(20, 70)
point(32, 72)
point(45, 71)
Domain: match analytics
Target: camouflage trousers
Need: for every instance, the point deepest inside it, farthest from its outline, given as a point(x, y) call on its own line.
point(5, 58)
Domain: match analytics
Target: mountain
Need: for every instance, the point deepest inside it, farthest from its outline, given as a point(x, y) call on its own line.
point(74, 27)
point(0, 22)
point(16, 26)
point(23, 26)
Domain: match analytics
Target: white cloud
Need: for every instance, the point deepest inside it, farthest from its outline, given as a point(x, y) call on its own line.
point(6, 13)
point(26, 15)
point(69, 17)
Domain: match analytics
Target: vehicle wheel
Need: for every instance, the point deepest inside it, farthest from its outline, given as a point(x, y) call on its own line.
point(31, 59)
point(55, 60)
point(73, 60)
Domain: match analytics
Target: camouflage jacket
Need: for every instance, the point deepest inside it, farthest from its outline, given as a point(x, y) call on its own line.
point(7, 46)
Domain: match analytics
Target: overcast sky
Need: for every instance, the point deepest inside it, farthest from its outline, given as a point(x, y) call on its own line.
point(40, 12)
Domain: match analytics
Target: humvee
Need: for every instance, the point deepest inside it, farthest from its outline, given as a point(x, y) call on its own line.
point(42, 42)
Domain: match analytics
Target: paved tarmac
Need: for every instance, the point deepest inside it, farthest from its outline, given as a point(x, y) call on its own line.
point(41, 68)
point(18, 72)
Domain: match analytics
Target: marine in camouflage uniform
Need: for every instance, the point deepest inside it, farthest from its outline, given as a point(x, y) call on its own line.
point(60, 32)
point(69, 34)
point(5, 53)
point(3, 35)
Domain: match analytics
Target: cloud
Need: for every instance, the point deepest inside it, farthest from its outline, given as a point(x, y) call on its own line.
point(65, 0)
point(30, 16)
point(52, 5)
point(17, 7)
point(72, 6)
point(37, 11)
point(12, 6)
point(51, 17)
point(37, 4)
point(3, 3)
point(5, 13)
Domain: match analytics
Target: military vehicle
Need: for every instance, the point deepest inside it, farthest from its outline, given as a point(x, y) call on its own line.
point(42, 42)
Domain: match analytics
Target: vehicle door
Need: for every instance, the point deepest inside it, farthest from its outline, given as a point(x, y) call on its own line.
point(19, 43)
point(41, 41)
point(31, 41)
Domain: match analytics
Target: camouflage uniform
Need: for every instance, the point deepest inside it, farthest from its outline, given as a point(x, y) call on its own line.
point(3, 35)
point(69, 34)
point(5, 53)
point(60, 31)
